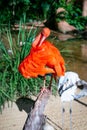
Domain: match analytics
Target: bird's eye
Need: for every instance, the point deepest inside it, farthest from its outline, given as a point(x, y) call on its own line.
point(67, 80)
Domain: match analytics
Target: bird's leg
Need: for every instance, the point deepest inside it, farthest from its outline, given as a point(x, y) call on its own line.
point(50, 84)
point(70, 115)
point(44, 87)
point(44, 83)
point(63, 111)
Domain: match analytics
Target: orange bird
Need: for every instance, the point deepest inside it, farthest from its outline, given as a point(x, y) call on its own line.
point(44, 58)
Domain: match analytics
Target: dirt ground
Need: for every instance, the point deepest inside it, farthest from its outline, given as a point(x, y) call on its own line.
point(14, 116)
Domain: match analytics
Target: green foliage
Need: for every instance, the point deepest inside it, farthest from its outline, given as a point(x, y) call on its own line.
point(13, 10)
point(73, 14)
point(45, 8)
point(12, 84)
point(40, 9)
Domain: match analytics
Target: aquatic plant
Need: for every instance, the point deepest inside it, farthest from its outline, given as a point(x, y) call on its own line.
point(12, 84)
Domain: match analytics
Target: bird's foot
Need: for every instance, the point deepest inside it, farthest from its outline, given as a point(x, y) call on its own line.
point(44, 89)
point(49, 88)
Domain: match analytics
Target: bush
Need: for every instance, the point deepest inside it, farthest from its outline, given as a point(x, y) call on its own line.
point(73, 14)
point(12, 83)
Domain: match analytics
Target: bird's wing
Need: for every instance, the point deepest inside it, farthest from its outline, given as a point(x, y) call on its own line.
point(82, 93)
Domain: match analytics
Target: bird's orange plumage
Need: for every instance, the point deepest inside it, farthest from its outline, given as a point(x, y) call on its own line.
point(44, 58)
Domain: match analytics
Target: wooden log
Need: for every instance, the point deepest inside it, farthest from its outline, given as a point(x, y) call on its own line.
point(36, 118)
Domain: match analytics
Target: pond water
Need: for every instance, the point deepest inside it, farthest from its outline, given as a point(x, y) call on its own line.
point(76, 57)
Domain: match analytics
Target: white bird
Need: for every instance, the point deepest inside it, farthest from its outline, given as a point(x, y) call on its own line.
point(67, 86)
point(83, 92)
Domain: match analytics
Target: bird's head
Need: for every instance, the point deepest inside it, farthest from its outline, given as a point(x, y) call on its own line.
point(41, 37)
point(46, 32)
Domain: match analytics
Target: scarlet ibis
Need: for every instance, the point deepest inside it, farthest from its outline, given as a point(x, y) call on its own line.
point(67, 87)
point(44, 58)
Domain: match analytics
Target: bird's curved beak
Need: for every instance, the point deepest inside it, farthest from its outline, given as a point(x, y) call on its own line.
point(38, 40)
point(41, 39)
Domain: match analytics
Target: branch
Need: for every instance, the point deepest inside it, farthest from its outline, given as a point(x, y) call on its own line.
point(36, 118)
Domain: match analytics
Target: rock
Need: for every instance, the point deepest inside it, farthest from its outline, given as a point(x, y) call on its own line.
point(64, 37)
point(36, 117)
point(59, 10)
point(84, 12)
point(64, 27)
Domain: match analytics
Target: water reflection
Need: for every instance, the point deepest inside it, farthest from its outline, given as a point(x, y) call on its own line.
point(77, 58)
point(84, 51)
